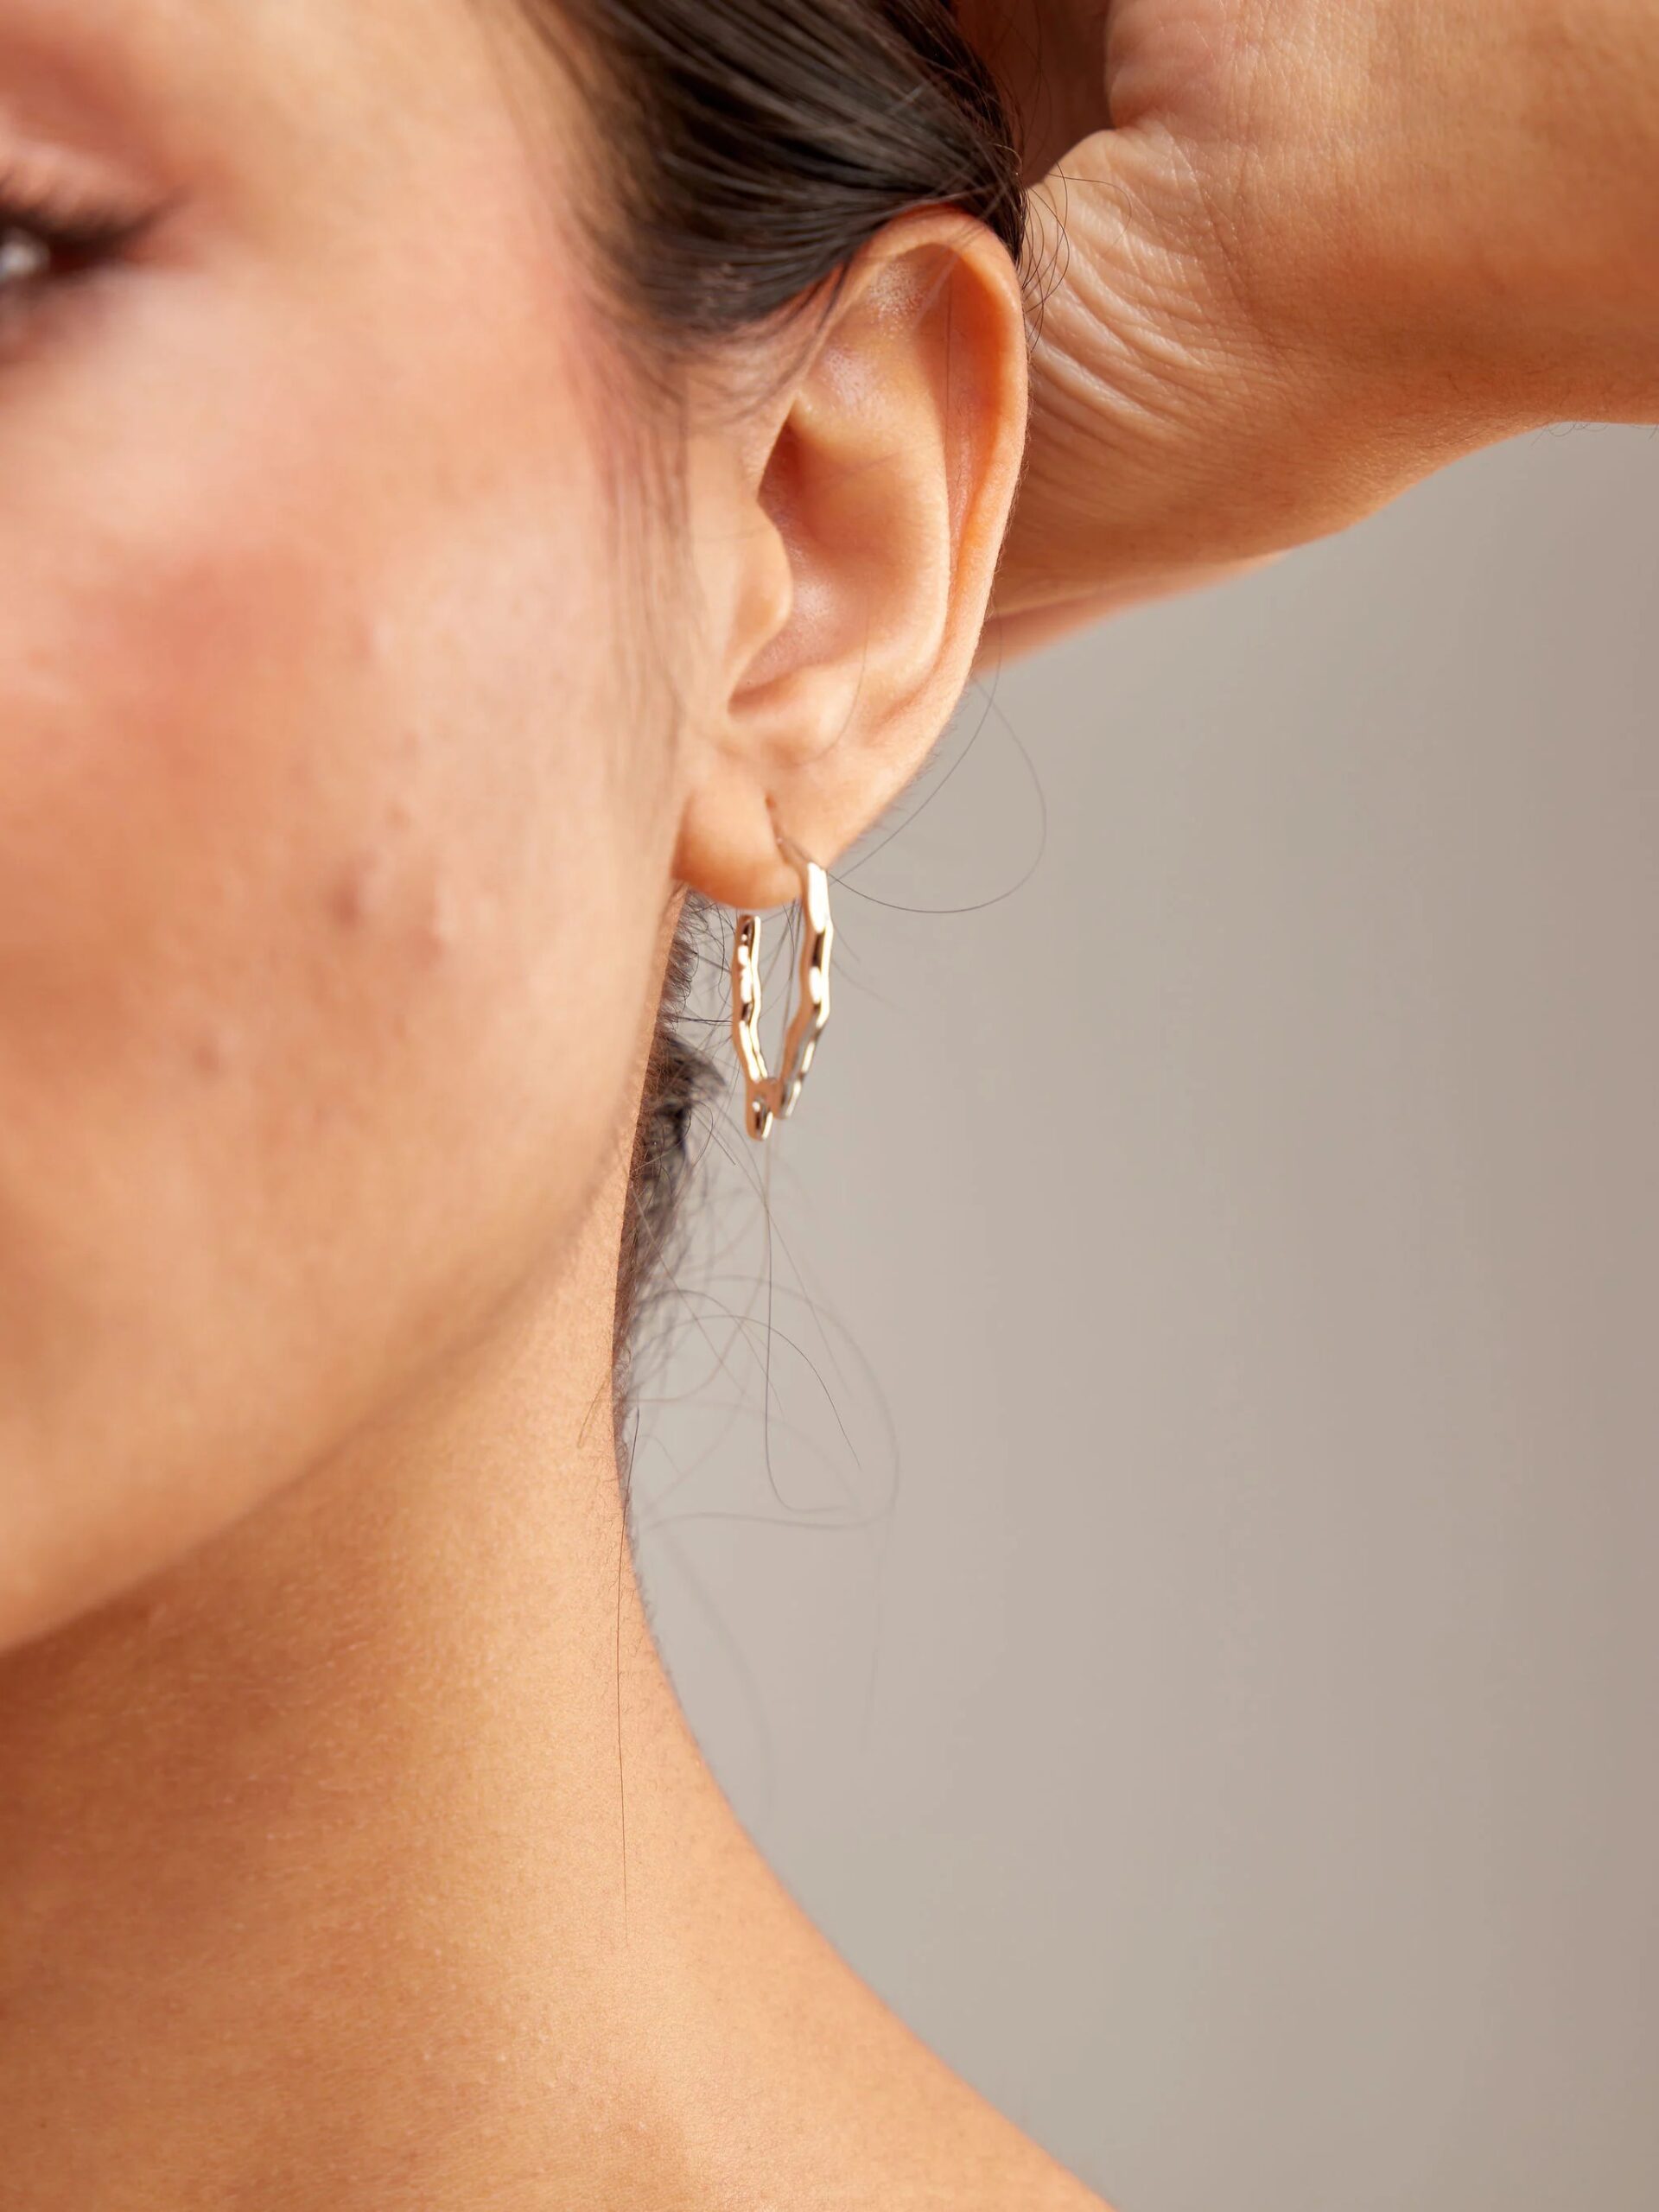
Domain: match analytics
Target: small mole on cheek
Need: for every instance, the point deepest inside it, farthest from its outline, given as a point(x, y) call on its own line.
point(360, 890)
point(214, 1048)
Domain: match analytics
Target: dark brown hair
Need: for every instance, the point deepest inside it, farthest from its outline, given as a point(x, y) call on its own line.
point(749, 149)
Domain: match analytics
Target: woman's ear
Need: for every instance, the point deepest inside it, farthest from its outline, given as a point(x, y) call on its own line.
point(846, 537)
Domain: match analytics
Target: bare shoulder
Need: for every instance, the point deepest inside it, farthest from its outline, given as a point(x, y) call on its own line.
point(938, 2145)
point(990, 2165)
point(875, 2119)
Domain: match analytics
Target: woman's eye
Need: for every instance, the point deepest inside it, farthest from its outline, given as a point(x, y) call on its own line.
point(45, 245)
point(23, 256)
point(44, 254)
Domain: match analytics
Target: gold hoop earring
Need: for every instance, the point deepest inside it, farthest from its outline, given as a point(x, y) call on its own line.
point(772, 1096)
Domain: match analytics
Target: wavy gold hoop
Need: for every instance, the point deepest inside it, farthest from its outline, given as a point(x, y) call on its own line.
point(772, 1096)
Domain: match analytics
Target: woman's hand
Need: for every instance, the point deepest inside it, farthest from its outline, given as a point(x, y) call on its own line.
point(1322, 249)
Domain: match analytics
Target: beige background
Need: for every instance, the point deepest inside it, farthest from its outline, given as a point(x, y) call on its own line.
point(1183, 1618)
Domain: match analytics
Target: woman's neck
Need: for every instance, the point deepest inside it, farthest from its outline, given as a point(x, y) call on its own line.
point(364, 1860)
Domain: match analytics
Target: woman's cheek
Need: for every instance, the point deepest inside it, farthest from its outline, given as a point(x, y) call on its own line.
point(325, 913)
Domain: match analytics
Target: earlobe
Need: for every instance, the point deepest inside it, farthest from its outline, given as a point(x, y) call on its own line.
point(856, 580)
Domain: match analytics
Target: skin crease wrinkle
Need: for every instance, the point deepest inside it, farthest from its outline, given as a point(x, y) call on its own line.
point(354, 1852)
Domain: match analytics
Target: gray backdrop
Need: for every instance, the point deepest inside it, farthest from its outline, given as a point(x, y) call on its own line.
point(1156, 1528)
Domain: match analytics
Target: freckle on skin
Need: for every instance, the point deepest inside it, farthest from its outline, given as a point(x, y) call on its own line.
point(359, 891)
point(213, 1048)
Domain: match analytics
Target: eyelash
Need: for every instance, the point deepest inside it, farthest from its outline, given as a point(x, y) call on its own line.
point(76, 237)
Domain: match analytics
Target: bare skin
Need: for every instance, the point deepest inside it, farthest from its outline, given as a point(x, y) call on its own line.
point(366, 1860)
point(353, 1852)
point(1321, 251)
point(361, 741)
